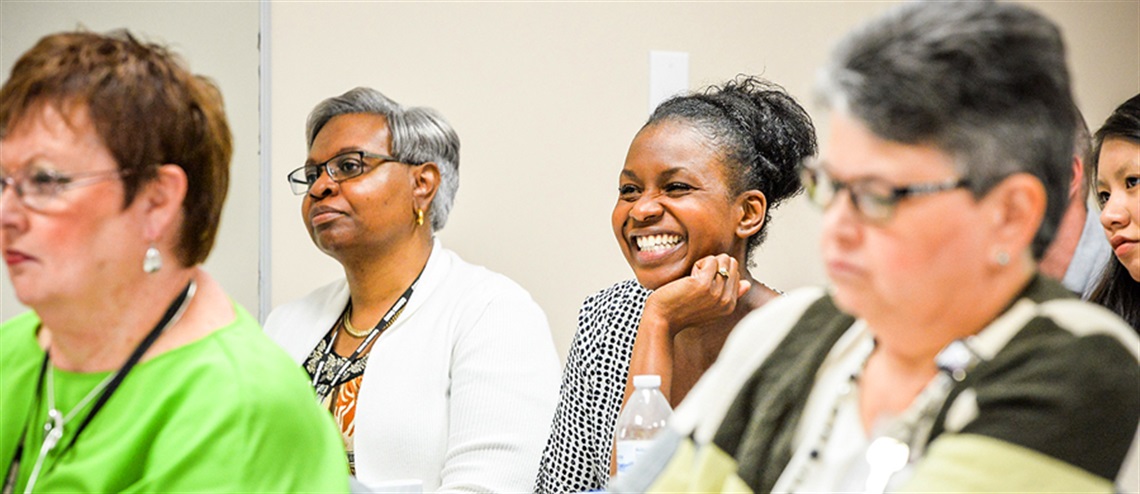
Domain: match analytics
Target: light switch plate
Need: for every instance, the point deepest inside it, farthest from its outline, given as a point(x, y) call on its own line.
point(668, 75)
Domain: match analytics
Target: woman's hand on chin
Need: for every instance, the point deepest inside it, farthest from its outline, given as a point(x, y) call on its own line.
point(708, 293)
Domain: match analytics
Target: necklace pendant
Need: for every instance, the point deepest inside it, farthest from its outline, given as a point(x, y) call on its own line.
point(55, 421)
point(53, 430)
point(51, 439)
point(886, 456)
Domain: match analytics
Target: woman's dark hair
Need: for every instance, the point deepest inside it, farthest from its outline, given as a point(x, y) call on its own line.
point(761, 132)
point(1118, 292)
point(1116, 289)
point(1123, 123)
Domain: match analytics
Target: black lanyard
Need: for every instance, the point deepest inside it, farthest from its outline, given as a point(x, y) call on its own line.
point(393, 312)
point(174, 310)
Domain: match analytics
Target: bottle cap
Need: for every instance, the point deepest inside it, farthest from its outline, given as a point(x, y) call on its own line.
point(647, 381)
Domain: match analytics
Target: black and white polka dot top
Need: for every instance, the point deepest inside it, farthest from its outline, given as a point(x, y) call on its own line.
point(577, 454)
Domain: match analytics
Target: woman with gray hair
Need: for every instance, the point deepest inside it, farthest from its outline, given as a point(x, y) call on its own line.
point(939, 360)
point(436, 371)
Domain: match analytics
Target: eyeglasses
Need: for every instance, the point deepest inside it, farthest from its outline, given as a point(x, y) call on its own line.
point(875, 200)
point(40, 189)
point(340, 168)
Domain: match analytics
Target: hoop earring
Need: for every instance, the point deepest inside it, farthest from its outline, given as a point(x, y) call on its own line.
point(419, 217)
point(152, 262)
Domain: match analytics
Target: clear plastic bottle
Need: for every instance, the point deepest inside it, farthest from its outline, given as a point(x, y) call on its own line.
point(644, 416)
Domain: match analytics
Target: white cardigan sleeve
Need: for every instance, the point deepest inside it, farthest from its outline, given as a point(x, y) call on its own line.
point(504, 387)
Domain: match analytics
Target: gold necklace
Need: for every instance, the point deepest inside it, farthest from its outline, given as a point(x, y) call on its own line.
point(346, 320)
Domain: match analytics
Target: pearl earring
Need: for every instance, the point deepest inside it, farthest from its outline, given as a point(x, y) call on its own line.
point(152, 262)
point(1002, 258)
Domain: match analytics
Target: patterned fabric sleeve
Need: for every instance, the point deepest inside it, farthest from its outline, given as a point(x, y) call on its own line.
point(577, 454)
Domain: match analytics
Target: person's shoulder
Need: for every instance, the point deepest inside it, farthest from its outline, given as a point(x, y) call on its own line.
point(612, 314)
point(623, 299)
point(480, 285)
point(241, 359)
point(234, 388)
point(1063, 384)
point(313, 301)
point(622, 292)
point(1050, 323)
point(1077, 356)
point(17, 332)
point(229, 374)
point(480, 305)
point(1081, 319)
point(760, 332)
point(24, 319)
point(21, 360)
point(20, 352)
point(780, 314)
point(1083, 338)
point(287, 321)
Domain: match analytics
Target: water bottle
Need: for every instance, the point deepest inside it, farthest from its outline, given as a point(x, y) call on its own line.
point(643, 417)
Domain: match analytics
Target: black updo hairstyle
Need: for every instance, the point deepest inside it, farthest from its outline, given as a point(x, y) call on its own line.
point(762, 134)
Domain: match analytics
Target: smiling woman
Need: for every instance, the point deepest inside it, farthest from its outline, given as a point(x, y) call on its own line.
point(694, 199)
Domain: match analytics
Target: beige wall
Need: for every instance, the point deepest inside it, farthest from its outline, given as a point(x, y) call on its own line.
point(546, 97)
point(218, 40)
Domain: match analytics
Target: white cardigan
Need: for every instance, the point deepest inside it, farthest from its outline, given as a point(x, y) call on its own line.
point(458, 392)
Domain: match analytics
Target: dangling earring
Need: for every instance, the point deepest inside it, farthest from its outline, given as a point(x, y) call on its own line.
point(419, 217)
point(152, 262)
point(1002, 258)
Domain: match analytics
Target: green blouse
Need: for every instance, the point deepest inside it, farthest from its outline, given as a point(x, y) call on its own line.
point(227, 413)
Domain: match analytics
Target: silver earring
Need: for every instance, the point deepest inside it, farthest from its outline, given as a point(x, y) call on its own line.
point(153, 260)
point(1002, 258)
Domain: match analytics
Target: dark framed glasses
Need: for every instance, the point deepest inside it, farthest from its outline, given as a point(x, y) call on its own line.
point(340, 168)
point(875, 200)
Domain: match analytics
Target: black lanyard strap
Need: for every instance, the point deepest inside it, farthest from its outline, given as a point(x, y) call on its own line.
point(173, 312)
point(393, 312)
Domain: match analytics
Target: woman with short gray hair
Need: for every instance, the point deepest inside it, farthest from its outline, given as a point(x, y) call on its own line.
point(419, 135)
point(938, 359)
point(437, 372)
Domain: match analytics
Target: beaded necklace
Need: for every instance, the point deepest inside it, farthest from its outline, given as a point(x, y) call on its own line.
point(904, 440)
